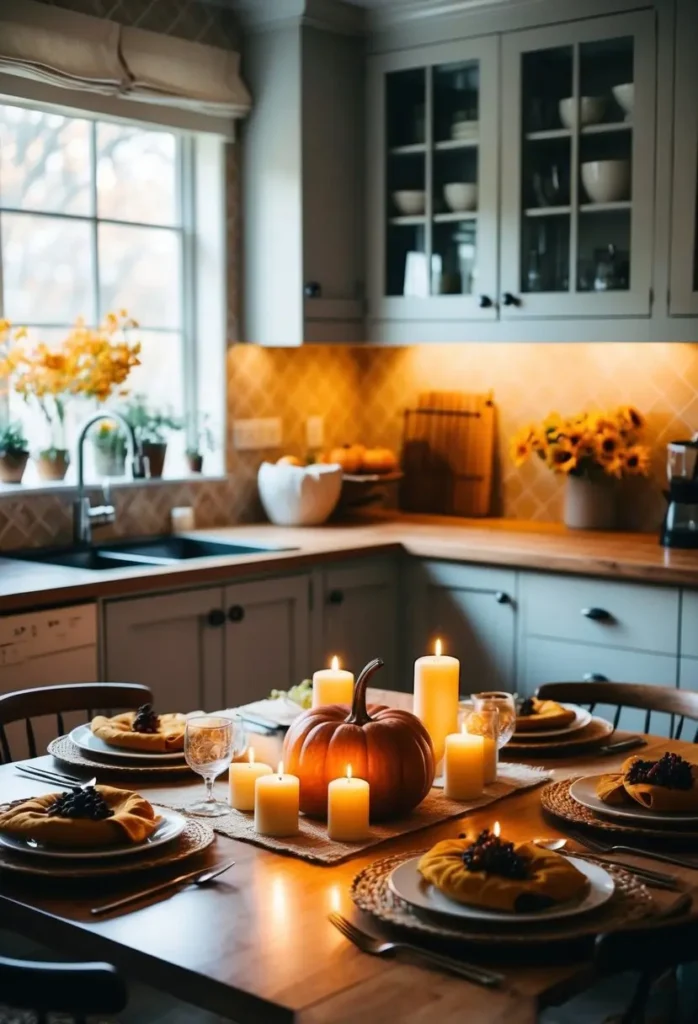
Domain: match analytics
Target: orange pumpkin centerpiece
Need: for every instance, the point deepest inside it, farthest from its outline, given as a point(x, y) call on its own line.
point(389, 748)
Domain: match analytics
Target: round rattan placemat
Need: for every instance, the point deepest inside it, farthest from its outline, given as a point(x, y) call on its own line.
point(63, 749)
point(370, 892)
point(592, 735)
point(556, 799)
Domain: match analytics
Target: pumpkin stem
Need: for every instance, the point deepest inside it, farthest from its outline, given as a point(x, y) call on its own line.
point(359, 715)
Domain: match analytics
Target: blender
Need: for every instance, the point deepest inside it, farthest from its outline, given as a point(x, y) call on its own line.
point(680, 528)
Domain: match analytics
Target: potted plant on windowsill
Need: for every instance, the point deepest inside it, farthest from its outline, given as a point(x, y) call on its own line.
point(14, 452)
point(201, 439)
point(110, 449)
point(592, 451)
point(152, 427)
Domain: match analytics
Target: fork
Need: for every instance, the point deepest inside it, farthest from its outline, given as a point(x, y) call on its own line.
point(54, 778)
point(600, 847)
point(378, 947)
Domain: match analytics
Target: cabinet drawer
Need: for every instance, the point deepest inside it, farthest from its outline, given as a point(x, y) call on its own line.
point(595, 611)
point(548, 661)
point(456, 576)
point(689, 623)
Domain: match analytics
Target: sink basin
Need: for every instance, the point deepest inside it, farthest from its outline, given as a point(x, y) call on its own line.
point(153, 551)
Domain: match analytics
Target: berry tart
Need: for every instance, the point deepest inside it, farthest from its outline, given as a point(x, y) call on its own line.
point(663, 784)
point(533, 715)
point(142, 731)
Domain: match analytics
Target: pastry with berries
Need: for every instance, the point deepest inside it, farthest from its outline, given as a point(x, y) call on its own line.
point(534, 715)
point(665, 784)
point(142, 731)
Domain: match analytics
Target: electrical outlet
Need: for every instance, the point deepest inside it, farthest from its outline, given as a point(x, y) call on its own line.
point(315, 431)
point(254, 435)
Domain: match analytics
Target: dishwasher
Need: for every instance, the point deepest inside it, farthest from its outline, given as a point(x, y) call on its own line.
point(45, 648)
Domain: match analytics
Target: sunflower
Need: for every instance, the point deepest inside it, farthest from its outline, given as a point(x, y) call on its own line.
point(629, 418)
point(614, 466)
point(561, 458)
point(636, 460)
point(608, 444)
point(523, 443)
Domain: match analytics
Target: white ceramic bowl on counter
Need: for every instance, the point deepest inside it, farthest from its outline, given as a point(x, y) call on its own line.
point(410, 202)
point(591, 110)
point(460, 196)
point(625, 97)
point(606, 181)
point(299, 495)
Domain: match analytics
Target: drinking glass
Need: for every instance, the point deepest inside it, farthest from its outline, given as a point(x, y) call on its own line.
point(505, 704)
point(210, 744)
point(484, 721)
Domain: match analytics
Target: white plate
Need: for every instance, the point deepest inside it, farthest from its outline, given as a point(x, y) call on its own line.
point(584, 792)
point(170, 826)
point(582, 719)
point(407, 883)
point(85, 739)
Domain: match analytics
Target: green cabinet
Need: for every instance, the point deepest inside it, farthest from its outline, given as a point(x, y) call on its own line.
point(683, 287)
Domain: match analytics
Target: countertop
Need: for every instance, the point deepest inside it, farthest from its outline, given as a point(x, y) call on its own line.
point(501, 542)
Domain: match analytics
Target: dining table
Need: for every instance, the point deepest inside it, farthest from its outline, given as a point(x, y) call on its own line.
point(257, 944)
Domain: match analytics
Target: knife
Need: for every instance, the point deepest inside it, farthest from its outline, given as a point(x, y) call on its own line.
point(196, 877)
point(629, 744)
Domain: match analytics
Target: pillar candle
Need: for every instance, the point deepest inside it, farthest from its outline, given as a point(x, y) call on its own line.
point(491, 757)
point(276, 799)
point(347, 809)
point(333, 685)
point(464, 766)
point(242, 776)
point(436, 679)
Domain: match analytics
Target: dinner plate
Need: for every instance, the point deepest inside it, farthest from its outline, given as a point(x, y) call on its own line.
point(85, 739)
point(170, 827)
point(407, 883)
point(581, 719)
point(584, 792)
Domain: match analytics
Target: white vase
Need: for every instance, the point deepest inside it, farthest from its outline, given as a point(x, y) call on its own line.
point(590, 504)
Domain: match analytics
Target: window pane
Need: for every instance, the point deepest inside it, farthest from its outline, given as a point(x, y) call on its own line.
point(136, 174)
point(47, 269)
point(139, 270)
point(161, 375)
point(44, 161)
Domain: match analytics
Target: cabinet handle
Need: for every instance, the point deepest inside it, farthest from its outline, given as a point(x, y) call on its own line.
point(236, 613)
point(216, 617)
point(594, 677)
point(312, 290)
point(485, 302)
point(335, 597)
point(511, 300)
point(502, 598)
point(597, 614)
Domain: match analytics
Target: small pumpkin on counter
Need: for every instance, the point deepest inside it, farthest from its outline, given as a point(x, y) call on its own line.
point(289, 460)
point(379, 460)
point(389, 748)
point(348, 456)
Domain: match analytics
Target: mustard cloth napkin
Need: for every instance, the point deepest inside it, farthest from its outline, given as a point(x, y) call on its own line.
point(615, 790)
point(547, 714)
point(552, 878)
point(118, 732)
point(133, 821)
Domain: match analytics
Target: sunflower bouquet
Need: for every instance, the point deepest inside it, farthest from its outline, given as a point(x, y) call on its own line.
point(589, 444)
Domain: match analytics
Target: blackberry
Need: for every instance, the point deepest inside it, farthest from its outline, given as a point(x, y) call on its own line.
point(81, 803)
point(526, 707)
point(496, 856)
point(670, 771)
point(145, 719)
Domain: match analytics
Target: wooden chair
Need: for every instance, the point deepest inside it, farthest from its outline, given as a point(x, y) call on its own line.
point(78, 989)
point(680, 704)
point(59, 700)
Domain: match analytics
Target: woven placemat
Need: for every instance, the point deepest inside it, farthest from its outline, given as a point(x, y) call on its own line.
point(556, 799)
point(312, 843)
point(631, 902)
point(63, 749)
point(591, 736)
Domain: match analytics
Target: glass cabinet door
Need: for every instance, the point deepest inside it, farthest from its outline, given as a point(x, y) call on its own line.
point(433, 153)
point(578, 179)
point(683, 288)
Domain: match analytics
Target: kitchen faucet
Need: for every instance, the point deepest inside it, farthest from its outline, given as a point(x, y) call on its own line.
point(84, 516)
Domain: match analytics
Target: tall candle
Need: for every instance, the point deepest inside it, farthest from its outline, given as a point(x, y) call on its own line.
point(491, 757)
point(276, 799)
point(436, 679)
point(464, 766)
point(242, 776)
point(332, 685)
point(347, 809)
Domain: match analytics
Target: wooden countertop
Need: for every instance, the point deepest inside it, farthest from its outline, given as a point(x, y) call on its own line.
point(501, 542)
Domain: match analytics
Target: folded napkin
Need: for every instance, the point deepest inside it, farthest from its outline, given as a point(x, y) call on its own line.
point(544, 714)
point(550, 878)
point(616, 789)
point(133, 821)
point(118, 732)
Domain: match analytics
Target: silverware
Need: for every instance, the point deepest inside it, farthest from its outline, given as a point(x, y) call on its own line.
point(377, 947)
point(193, 877)
point(54, 778)
point(657, 879)
point(630, 744)
point(601, 847)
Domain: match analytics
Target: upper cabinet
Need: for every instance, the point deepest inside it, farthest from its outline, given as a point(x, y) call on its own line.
point(683, 288)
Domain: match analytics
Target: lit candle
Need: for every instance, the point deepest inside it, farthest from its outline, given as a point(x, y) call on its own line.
point(347, 809)
point(333, 685)
point(436, 679)
point(276, 800)
point(464, 766)
point(242, 776)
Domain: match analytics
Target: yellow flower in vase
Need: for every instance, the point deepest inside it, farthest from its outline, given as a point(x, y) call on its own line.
point(608, 446)
point(636, 460)
point(561, 458)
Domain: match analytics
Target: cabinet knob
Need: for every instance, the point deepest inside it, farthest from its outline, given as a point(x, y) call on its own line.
point(597, 614)
point(236, 613)
point(502, 598)
point(335, 597)
point(485, 302)
point(216, 617)
point(594, 677)
point(312, 290)
point(511, 300)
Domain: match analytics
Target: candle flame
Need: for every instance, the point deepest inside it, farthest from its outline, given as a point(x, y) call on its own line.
point(437, 648)
point(280, 769)
point(250, 755)
point(335, 663)
point(497, 829)
point(348, 771)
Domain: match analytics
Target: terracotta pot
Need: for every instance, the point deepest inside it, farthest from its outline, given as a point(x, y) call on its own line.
point(12, 466)
point(110, 463)
point(53, 464)
point(590, 504)
point(155, 452)
point(195, 461)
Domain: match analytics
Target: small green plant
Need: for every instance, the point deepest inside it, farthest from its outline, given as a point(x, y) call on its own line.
point(13, 441)
point(200, 434)
point(151, 425)
point(108, 438)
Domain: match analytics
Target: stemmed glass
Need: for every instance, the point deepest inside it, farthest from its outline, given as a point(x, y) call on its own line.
point(210, 744)
point(505, 704)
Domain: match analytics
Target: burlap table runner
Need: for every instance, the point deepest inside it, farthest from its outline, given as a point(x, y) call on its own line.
point(312, 842)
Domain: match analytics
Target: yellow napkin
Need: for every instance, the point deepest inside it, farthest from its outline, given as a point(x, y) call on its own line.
point(552, 878)
point(615, 790)
point(133, 821)
point(547, 714)
point(118, 732)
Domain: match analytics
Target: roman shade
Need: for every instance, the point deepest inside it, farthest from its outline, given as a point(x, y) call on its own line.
point(117, 69)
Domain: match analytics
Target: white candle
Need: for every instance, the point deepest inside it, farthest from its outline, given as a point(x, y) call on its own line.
point(276, 799)
point(347, 809)
point(333, 685)
point(464, 766)
point(242, 776)
point(436, 679)
point(491, 757)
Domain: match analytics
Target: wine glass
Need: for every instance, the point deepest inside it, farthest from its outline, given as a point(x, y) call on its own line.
point(505, 704)
point(210, 744)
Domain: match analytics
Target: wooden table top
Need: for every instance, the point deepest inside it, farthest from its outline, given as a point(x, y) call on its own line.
point(258, 945)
